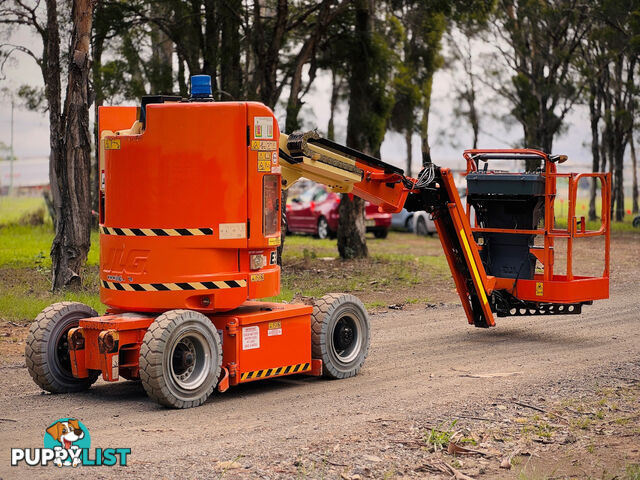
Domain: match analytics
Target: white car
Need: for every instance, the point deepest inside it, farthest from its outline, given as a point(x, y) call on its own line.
point(423, 223)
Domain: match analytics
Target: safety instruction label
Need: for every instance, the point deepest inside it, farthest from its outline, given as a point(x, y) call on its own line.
point(263, 127)
point(232, 230)
point(112, 144)
point(264, 161)
point(264, 145)
point(274, 241)
point(257, 277)
point(264, 165)
point(250, 337)
point(275, 328)
point(539, 289)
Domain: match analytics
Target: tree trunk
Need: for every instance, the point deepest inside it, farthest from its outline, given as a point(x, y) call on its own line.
point(424, 125)
point(352, 242)
point(634, 168)
point(230, 71)
point(336, 84)
point(72, 241)
point(351, 228)
point(594, 113)
point(408, 136)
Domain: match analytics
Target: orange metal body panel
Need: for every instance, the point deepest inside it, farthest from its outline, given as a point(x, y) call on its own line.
point(195, 166)
point(249, 345)
point(256, 336)
point(385, 190)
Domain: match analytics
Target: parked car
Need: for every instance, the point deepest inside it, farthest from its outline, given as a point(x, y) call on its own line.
point(315, 211)
point(403, 220)
point(423, 223)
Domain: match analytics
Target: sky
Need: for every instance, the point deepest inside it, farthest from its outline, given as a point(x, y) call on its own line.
point(449, 136)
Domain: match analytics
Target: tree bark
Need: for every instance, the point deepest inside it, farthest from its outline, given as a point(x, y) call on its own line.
point(351, 228)
point(408, 136)
point(634, 167)
point(230, 71)
point(352, 242)
point(594, 114)
point(336, 85)
point(72, 170)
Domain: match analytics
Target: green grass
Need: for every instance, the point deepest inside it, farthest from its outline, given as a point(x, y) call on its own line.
point(12, 209)
point(21, 308)
point(582, 210)
point(632, 472)
point(439, 438)
point(29, 246)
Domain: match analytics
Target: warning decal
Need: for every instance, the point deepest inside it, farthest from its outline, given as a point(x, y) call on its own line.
point(275, 328)
point(263, 127)
point(539, 289)
point(263, 145)
point(250, 337)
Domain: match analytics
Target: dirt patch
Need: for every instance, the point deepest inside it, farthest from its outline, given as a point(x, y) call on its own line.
point(426, 369)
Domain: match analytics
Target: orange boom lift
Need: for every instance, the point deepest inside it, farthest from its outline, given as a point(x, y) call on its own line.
point(189, 227)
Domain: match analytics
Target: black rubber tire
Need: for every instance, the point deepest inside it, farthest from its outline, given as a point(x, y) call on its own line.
point(381, 233)
point(45, 363)
point(421, 227)
point(636, 222)
point(156, 354)
point(323, 233)
point(327, 312)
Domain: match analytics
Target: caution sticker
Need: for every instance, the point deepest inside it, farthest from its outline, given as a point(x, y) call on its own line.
point(250, 338)
point(264, 165)
point(264, 145)
point(257, 277)
point(274, 241)
point(112, 144)
point(539, 289)
point(275, 328)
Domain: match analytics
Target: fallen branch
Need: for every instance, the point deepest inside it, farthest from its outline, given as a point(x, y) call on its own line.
point(532, 407)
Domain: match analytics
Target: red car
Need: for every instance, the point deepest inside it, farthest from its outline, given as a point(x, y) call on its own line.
point(315, 211)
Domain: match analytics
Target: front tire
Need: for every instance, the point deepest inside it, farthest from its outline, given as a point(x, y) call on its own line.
point(180, 359)
point(381, 233)
point(340, 334)
point(47, 350)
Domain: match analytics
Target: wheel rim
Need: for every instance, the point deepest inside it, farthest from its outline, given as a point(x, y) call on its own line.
point(62, 356)
point(190, 361)
point(323, 228)
point(347, 338)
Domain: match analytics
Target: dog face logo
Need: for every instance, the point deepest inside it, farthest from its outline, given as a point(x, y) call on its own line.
point(67, 437)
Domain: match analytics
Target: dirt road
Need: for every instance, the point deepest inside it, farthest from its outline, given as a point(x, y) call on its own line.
point(424, 366)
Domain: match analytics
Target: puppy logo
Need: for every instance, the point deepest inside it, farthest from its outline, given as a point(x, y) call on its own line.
point(67, 437)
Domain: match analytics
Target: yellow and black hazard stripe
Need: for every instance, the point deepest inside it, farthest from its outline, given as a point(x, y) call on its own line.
point(165, 287)
point(272, 372)
point(156, 232)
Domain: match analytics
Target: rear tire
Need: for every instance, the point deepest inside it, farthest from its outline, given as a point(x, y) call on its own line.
point(636, 222)
point(340, 334)
point(380, 233)
point(47, 350)
point(180, 359)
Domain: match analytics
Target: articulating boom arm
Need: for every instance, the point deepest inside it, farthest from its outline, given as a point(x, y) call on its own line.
point(349, 171)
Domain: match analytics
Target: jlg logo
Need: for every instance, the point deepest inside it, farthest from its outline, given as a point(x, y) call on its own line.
point(118, 262)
